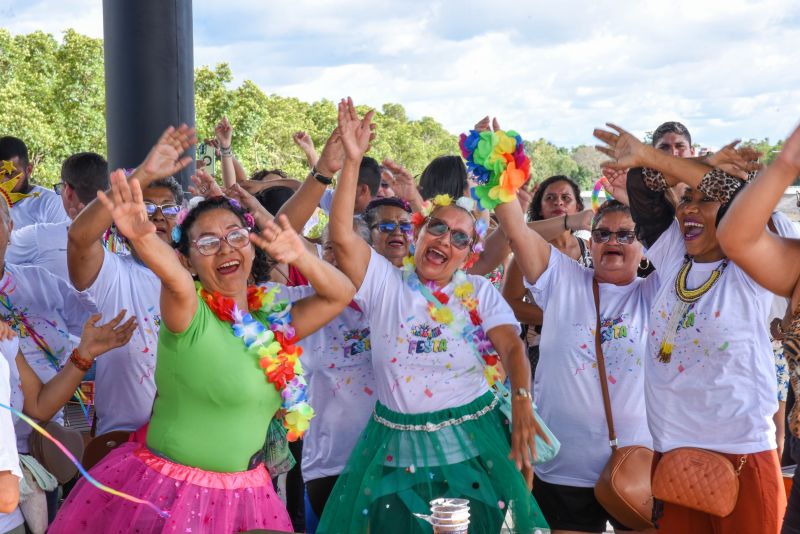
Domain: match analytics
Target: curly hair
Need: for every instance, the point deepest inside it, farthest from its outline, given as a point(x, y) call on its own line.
point(609, 206)
point(262, 264)
point(535, 209)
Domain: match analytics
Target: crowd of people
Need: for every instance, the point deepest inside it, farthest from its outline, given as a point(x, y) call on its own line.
point(397, 359)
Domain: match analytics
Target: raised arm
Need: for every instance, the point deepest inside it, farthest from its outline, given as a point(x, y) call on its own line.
point(306, 144)
point(514, 291)
point(84, 247)
point(352, 252)
point(743, 231)
point(178, 296)
point(333, 291)
point(224, 135)
point(42, 401)
point(531, 252)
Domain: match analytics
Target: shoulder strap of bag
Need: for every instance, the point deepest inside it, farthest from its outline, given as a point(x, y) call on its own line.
point(601, 368)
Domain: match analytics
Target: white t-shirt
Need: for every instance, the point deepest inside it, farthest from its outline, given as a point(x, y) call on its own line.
point(719, 389)
point(785, 228)
point(10, 395)
point(567, 384)
point(45, 208)
point(55, 312)
point(124, 386)
point(42, 244)
point(341, 389)
point(421, 366)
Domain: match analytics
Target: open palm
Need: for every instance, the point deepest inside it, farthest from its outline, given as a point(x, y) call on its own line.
point(355, 133)
point(165, 158)
point(280, 241)
point(790, 152)
point(623, 148)
point(126, 207)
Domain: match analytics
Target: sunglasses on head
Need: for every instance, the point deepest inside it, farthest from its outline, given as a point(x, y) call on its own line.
point(437, 227)
point(169, 210)
point(209, 245)
point(624, 237)
point(387, 227)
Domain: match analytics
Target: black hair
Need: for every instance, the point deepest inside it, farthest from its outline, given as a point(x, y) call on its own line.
point(371, 211)
point(671, 127)
point(609, 206)
point(263, 173)
point(172, 184)
point(370, 173)
point(86, 173)
point(273, 198)
point(445, 175)
point(262, 264)
point(11, 147)
point(535, 208)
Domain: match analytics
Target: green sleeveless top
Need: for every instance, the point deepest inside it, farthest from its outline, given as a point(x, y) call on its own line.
point(213, 402)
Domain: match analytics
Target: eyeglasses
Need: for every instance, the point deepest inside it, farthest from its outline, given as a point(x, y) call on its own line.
point(168, 210)
point(458, 239)
point(624, 237)
point(210, 244)
point(58, 188)
point(387, 227)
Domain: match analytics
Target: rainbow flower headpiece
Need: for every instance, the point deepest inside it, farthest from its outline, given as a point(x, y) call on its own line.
point(9, 181)
point(467, 204)
point(498, 163)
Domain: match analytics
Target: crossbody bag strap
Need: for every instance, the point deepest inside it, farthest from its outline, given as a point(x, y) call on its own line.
point(601, 368)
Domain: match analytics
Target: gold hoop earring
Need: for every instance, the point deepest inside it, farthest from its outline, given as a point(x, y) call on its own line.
point(645, 266)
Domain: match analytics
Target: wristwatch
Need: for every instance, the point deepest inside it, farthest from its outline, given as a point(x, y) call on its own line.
point(522, 392)
point(320, 177)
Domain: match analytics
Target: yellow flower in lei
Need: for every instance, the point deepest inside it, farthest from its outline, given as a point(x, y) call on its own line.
point(442, 315)
point(442, 200)
point(464, 290)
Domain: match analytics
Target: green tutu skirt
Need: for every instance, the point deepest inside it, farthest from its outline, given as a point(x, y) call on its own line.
point(403, 461)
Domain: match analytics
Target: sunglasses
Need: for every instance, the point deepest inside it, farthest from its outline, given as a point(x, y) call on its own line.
point(387, 227)
point(210, 244)
point(624, 237)
point(169, 210)
point(458, 239)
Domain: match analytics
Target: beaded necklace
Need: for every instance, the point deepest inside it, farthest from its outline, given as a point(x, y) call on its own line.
point(440, 312)
point(686, 297)
point(274, 346)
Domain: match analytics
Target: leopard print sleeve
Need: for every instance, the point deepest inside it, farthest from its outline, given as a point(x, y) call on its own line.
point(654, 180)
point(719, 185)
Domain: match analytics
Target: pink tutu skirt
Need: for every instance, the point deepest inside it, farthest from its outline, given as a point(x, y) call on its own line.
point(198, 501)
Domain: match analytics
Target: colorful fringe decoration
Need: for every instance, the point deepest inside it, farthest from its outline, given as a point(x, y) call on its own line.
point(498, 163)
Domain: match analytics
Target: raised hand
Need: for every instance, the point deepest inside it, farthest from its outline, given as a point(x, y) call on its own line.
point(736, 162)
point(280, 241)
point(96, 340)
point(165, 158)
point(483, 125)
point(615, 181)
point(126, 206)
point(790, 152)
point(355, 133)
point(223, 132)
point(304, 142)
point(6, 332)
point(205, 185)
point(623, 148)
point(331, 159)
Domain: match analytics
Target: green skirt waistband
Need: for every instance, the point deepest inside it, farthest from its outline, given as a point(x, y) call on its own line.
point(428, 420)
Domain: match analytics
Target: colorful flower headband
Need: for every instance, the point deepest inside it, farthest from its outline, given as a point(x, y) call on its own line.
point(498, 163)
point(465, 203)
point(177, 231)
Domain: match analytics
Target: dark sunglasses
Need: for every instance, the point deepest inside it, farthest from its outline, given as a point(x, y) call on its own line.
point(169, 210)
point(458, 239)
point(58, 188)
point(387, 227)
point(210, 244)
point(624, 237)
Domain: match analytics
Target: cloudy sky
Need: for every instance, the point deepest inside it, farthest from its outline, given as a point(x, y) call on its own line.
point(726, 68)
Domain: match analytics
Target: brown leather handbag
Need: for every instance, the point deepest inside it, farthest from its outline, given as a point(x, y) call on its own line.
point(702, 480)
point(623, 488)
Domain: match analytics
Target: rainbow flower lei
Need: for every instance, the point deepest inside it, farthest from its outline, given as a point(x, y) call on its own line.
point(277, 354)
point(498, 163)
point(440, 312)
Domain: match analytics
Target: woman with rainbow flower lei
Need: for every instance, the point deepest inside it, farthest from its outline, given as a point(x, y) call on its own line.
point(226, 363)
point(437, 337)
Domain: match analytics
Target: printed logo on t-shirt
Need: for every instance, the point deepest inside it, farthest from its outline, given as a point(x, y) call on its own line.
point(613, 329)
point(429, 339)
point(356, 342)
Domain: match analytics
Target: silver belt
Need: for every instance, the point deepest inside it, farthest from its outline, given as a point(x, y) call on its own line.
point(433, 427)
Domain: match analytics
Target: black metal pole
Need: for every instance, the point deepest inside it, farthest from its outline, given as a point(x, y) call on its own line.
point(149, 68)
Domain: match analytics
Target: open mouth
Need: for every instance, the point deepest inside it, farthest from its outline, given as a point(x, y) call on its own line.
point(228, 267)
point(396, 242)
point(692, 230)
point(613, 252)
point(435, 256)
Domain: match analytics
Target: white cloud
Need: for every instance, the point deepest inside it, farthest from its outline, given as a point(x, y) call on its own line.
point(727, 68)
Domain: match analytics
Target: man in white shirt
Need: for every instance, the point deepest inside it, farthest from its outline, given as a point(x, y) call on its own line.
point(124, 383)
point(45, 243)
point(43, 205)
